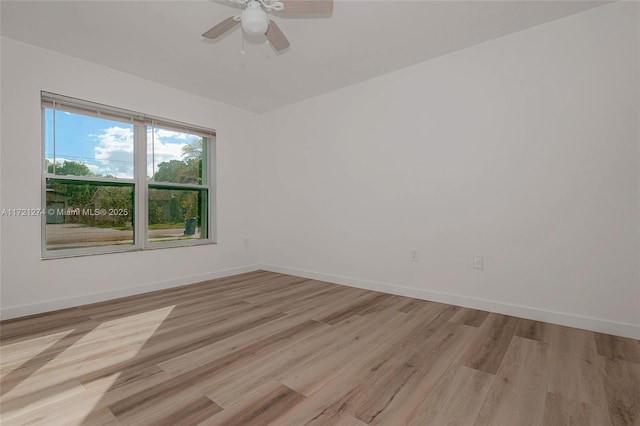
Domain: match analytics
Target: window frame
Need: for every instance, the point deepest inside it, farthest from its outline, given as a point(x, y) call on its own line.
point(141, 184)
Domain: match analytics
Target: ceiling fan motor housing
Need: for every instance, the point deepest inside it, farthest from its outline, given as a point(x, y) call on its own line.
point(254, 19)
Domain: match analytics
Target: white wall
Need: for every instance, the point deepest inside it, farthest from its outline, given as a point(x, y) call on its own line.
point(1, 204)
point(524, 150)
point(30, 284)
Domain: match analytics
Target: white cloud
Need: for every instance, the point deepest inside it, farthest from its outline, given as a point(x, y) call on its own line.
point(95, 169)
point(114, 152)
point(163, 133)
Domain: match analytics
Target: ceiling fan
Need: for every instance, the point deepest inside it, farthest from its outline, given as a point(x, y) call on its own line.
point(255, 20)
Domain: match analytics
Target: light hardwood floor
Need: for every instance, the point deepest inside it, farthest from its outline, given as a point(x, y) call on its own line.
point(264, 348)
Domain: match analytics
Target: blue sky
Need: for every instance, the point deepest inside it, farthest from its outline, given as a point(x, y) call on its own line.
point(106, 146)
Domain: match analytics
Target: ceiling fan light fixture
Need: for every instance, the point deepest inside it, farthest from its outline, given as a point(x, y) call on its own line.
point(254, 19)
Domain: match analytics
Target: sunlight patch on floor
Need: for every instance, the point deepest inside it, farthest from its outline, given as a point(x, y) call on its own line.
point(12, 355)
point(110, 343)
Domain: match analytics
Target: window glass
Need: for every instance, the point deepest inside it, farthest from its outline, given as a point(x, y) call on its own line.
point(88, 214)
point(174, 156)
point(177, 214)
point(81, 145)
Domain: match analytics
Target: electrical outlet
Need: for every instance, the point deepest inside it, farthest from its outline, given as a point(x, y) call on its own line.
point(414, 255)
point(478, 262)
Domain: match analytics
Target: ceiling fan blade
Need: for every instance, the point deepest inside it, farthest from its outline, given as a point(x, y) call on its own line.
point(276, 37)
point(308, 6)
point(221, 28)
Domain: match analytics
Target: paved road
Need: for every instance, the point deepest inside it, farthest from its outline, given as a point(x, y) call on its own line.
point(70, 235)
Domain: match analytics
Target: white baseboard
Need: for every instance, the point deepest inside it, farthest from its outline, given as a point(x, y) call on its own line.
point(70, 302)
point(560, 318)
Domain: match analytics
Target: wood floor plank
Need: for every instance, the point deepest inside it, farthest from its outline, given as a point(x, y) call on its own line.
point(622, 387)
point(180, 323)
point(42, 324)
point(517, 394)
point(276, 366)
point(27, 352)
point(262, 410)
point(577, 371)
point(207, 374)
point(67, 411)
point(471, 317)
point(48, 381)
point(162, 350)
point(357, 307)
point(391, 302)
point(180, 364)
point(293, 289)
point(366, 390)
point(69, 352)
point(211, 292)
point(455, 400)
point(93, 402)
point(563, 411)
point(172, 296)
point(102, 417)
point(490, 343)
point(13, 365)
point(534, 330)
point(311, 299)
point(120, 391)
point(409, 306)
point(615, 347)
point(192, 414)
point(440, 352)
point(337, 305)
point(322, 368)
point(347, 420)
point(428, 309)
point(33, 395)
point(186, 411)
point(331, 378)
point(121, 380)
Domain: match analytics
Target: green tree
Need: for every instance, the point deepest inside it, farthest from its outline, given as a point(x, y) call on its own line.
point(177, 171)
point(192, 173)
point(192, 156)
point(171, 171)
point(193, 150)
point(69, 168)
point(78, 194)
point(156, 212)
point(118, 198)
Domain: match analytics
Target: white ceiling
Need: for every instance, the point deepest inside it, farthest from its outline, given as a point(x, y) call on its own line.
point(160, 41)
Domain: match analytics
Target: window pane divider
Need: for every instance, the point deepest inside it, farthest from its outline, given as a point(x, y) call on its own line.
point(87, 251)
point(172, 185)
point(90, 179)
point(141, 217)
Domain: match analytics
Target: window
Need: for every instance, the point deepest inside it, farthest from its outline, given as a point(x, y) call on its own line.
point(115, 180)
